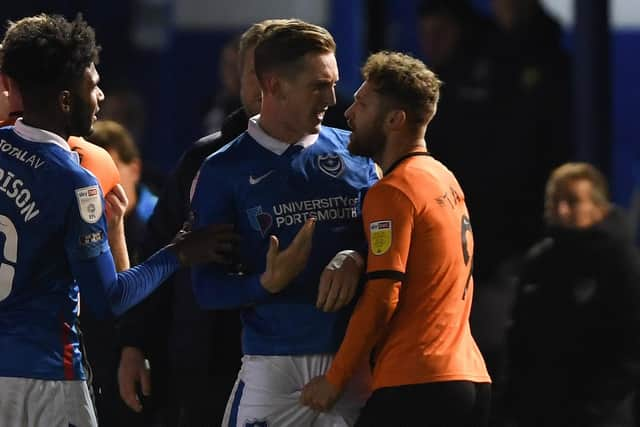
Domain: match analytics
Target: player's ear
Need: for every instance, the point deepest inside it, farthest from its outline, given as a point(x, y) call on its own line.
point(64, 101)
point(395, 119)
point(271, 84)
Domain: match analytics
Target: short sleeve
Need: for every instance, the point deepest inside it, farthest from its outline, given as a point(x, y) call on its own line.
point(388, 224)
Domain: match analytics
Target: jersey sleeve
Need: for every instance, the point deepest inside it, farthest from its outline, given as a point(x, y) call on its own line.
point(106, 291)
point(388, 223)
point(212, 203)
point(86, 225)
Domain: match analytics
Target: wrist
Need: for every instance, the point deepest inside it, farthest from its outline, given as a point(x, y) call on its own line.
point(266, 284)
point(355, 256)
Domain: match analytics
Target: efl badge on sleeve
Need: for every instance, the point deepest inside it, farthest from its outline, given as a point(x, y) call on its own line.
point(89, 203)
point(381, 235)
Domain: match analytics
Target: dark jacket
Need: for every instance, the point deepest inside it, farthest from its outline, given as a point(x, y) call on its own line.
point(575, 339)
point(194, 354)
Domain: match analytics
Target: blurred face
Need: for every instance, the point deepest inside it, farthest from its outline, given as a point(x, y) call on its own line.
point(305, 97)
point(505, 12)
point(439, 35)
point(85, 103)
point(229, 70)
point(366, 117)
point(573, 205)
point(250, 93)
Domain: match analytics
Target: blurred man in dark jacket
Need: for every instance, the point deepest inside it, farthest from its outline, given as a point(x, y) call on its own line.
point(575, 340)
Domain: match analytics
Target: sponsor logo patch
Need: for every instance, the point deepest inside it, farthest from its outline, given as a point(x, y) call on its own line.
point(256, 180)
point(89, 203)
point(90, 238)
point(381, 236)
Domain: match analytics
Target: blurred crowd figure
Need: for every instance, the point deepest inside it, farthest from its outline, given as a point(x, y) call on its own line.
point(101, 338)
point(227, 96)
point(575, 339)
point(120, 144)
point(503, 124)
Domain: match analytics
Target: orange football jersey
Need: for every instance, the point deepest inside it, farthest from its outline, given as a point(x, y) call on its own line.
point(420, 240)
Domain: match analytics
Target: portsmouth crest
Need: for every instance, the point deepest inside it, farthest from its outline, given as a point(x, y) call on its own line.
point(381, 236)
point(331, 164)
point(89, 203)
point(260, 221)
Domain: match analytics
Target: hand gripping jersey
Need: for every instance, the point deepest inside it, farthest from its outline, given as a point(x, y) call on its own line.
point(266, 187)
point(52, 231)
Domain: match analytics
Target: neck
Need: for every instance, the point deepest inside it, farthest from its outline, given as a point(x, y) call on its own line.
point(398, 147)
point(45, 122)
point(273, 125)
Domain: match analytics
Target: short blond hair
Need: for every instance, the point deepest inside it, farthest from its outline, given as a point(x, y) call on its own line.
point(283, 46)
point(406, 81)
point(253, 35)
point(574, 171)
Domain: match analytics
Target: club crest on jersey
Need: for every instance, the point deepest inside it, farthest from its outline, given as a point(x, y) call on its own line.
point(381, 236)
point(260, 221)
point(89, 203)
point(331, 164)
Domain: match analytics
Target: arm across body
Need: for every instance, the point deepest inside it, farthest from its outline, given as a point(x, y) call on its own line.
point(111, 293)
point(388, 222)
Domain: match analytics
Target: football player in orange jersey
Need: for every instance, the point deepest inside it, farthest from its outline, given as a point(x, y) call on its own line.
point(414, 313)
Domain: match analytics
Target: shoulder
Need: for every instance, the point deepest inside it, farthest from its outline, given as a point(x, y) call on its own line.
point(230, 151)
point(335, 136)
point(98, 161)
point(386, 192)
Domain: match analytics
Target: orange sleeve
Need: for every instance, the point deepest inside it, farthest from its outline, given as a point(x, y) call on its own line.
point(387, 216)
point(98, 161)
point(388, 222)
point(368, 322)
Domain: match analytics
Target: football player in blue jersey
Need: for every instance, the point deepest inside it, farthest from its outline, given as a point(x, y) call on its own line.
point(53, 227)
point(285, 173)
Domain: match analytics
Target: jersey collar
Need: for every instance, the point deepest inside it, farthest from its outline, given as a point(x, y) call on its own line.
point(270, 143)
point(34, 134)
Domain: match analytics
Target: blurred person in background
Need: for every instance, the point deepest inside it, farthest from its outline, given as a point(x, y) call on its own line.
point(119, 143)
point(227, 97)
point(575, 339)
point(100, 337)
point(496, 76)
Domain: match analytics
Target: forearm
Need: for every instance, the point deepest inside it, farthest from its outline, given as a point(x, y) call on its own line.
point(118, 245)
point(368, 322)
point(111, 293)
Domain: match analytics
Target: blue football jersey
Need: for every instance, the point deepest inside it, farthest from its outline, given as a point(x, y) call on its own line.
point(52, 230)
point(265, 187)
